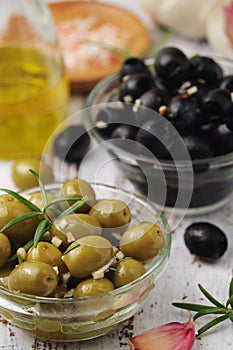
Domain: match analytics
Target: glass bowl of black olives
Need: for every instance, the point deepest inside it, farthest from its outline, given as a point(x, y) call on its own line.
point(167, 122)
point(77, 259)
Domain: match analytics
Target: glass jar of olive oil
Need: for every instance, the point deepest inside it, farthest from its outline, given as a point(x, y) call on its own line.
point(33, 85)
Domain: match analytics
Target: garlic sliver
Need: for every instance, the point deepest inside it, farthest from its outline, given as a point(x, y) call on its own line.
point(171, 336)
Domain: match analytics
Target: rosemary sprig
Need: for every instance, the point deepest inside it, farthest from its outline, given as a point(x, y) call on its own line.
point(45, 221)
point(69, 249)
point(219, 308)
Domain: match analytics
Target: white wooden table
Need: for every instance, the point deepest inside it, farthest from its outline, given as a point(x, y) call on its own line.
point(179, 281)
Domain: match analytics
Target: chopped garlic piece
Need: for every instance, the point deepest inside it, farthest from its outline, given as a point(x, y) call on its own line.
point(70, 237)
point(46, 235)
point(63, 224)
point(21, 253)
point(137, 105)
point(56, 269)
point(69, 294)
point(119, 255)
point(126, 77)
point(56, 241)
point(192, 90)
point(101, 124)
point(128, 98)
point(65, 277)
point(100, 273)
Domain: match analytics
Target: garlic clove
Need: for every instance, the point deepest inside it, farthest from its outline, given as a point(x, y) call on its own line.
point(186, 18)
point(217, 29)
point(171, 336)
point(228, 14)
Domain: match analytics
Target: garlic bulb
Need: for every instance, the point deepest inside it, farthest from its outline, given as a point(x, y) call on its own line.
point(216, 28)
point(186, 17)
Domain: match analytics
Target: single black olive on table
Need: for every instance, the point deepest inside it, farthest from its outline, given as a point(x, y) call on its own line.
point(205, 240)
point(72, 144)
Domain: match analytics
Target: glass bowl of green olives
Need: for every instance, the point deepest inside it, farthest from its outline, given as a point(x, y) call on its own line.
point(78, 258)
point(167, 122)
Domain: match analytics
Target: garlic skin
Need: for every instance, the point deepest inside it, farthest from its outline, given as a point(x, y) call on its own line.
point(216, 29)
point(186, 17)
point(171, 336)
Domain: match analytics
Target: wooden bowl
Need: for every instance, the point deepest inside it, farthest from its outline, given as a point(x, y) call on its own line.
point(95, 38)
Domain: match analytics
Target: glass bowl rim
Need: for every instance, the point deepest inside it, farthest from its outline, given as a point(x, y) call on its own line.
point(118, 291)
point(214, 162)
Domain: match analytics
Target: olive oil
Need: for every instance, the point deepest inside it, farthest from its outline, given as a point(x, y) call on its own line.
point(33, 100)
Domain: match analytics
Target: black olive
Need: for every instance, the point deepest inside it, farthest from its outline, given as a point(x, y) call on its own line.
point(133, 65)
point(221, 138)
point(227, 83)
point(108, 118)
point(124, 131)
point(133, 87)
point(72, 144)
point(171, 65)
point(151, 99)
point(205, 68)
point(198, 147)
point(185, 112)
point(217, 103)
point(148, 136)
point(205, 240)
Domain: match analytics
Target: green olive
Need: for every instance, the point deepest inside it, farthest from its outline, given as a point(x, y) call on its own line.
point(36, 278)
point(127, 270)
point(78, 188)
point(5, 248)
point(87, 254)
point(23, 231)
point(142, 241)
point(36, 198)
point(23, 179)
point(111, 213)
point(47, 253)
point(74, 226)
point(91, 287)
point(59, 292)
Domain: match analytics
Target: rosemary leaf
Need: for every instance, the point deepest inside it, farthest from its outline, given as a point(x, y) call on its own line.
point(19, 219)
point(193, 307)
point(41, 229)
point(210, 297)
point(27, 246)
point(69, 249)
point(21, 199)
point(59, 200)
point(209, 311)
point(74, 207)
point(212, 324)
point(231, 292)
point(42, 188)
point(229, 301)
